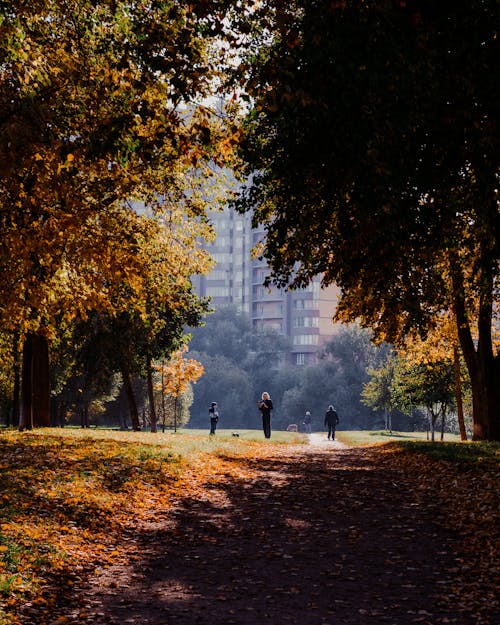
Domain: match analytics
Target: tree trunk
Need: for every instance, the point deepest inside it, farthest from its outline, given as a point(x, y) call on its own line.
point(129, 392)
point(175, 413)
point(482, 368)
point(482, 365)
point(41, 382)
point(26, 416)
point(16, 395)
point(152, 409)
point(458, 394)
point(35, 384)
point(432, 424)
point(163, 412)
point(443, 421)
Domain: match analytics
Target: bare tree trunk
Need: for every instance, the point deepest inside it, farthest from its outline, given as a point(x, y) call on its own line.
point(129, 392)
point(482, 365)
point(175, 413)
point(163, 413)
point(443, 420)
point(35, 385)
point(26, 416)
point(458, 393)
point(41, 381)
point(152, 408)
point(16, 395)
point(84, 416)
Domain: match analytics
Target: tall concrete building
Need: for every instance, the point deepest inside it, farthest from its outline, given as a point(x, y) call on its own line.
point(304, 316)
point(229, 281)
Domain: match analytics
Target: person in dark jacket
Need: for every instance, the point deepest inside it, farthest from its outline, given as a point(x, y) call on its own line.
point(213, 413)
point(331, 421)
point(265, 407)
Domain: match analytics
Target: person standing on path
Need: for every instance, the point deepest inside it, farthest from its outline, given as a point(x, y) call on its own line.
point(308, 422)
point(331, 421)
point(265, 407)
point(213, 413)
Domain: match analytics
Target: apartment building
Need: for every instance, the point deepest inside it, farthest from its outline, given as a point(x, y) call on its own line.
point(229, 281)
point(304, 316)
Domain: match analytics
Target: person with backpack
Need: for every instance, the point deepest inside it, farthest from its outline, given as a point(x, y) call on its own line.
point(213, 413)
point(331, 421)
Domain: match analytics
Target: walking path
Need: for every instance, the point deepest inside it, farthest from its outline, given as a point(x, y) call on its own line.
point(319, 439)
point(322, 536)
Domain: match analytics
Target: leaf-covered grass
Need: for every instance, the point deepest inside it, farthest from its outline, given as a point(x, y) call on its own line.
point(463, 479)
point(64, 501)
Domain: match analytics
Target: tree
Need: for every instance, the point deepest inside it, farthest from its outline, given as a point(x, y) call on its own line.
point(382, 117)
point(430, 386)
point(376, 392)
point(225, 382)
point(440, 346)
point(100, 104)
point(337, 379)
point(176, 375)
point(240, 363)
point(226, 333)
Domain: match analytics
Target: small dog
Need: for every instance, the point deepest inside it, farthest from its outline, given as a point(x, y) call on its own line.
point(236, 434)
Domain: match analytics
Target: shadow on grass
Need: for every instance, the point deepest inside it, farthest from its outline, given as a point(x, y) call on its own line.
point(467, 454)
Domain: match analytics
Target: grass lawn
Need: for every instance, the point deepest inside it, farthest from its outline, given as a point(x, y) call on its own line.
point(185, 440)
point(369, 437)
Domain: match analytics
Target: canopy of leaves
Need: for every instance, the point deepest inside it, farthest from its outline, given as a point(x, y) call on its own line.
point(100, 103)
point(377, 117)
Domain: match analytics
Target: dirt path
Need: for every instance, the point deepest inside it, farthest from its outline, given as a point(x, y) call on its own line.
point(322, 536)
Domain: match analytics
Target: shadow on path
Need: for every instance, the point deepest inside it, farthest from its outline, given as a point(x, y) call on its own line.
point(323, 536)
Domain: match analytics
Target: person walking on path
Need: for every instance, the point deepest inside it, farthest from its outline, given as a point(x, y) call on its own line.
point(265, 407)
point(214, 417)
point(331, 421)
point(308, 422)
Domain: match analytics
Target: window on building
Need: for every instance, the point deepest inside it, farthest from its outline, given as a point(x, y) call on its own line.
point(218, 274)
point(217, 291)
point(306, 322)
point(305, 339)
point(310, 304)
point(300, 359)
point(221, 258)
